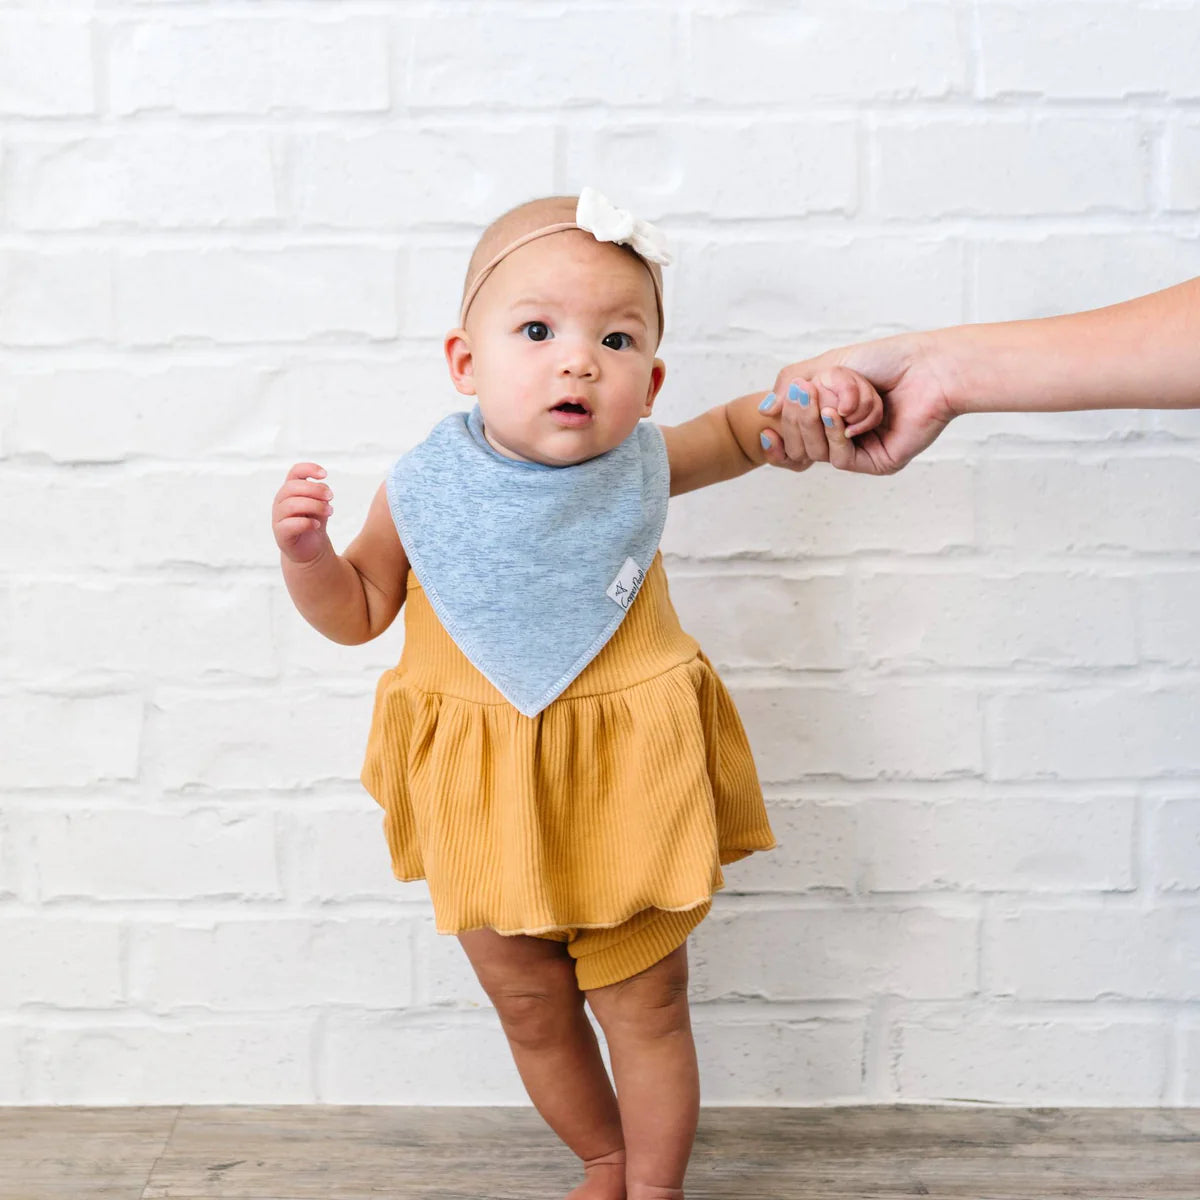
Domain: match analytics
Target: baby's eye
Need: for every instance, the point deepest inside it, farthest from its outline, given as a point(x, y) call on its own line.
point(536, 331)
point(618, 341)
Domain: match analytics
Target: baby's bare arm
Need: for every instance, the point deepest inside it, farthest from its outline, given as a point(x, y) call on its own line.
point(719, 444)
point(352, 597)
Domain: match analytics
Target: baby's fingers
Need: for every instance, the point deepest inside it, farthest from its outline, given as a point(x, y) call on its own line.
point(306, 470)
point(867, 413)
point(857, 402)
point(315, 510)
point(308, 489)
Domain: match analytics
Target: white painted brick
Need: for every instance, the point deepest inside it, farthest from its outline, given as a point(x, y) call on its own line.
point(1058, 505)
point(8, 641)
point(343, 855)
point(1190, 1038)
point(1175, 846)
point(1087, 425)
point(1176, 423)
point(255, 65)
point(1091, 954)
point(10, 858)
point(1116, 49)
point(766, 621)
point(389, 1060)
point(698, 376)
point(106, 414)
point(1183, 149)
point(1168, 605)
point(1052, 1061)
point(777, 1062)
point(125, 527)
point(240, 296)
point(1010, 166)
point(833, 954)
point(308, 655)
point(69, 740)
point(147, 178)
point(54, 297)
point(267, 964)
point(274, 739)
point(157, 629)
point(12, 1065)
point(782, 286)
point(175, 1062)
point(444, 974)
point(816, 851)
point(290, 239)
point(50, 533)
point(45, 66)
point(133, 854)
point(513, 59)
point(714, 169)
point(350, 407)
point(60, 962)
point(979, 619)
point(1002, 843)
point(1094, 733)
point(384, 180)
point(211, 538)
point(7, 406)
point(431, 294)
point(926, 508)
point(827, 52)
point(895, 730)
point(1052, 274)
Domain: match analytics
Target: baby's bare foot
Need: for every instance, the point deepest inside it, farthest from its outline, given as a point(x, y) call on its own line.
point(605, 1178)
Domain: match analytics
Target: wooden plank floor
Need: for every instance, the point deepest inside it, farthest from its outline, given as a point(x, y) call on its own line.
point(328, 1153)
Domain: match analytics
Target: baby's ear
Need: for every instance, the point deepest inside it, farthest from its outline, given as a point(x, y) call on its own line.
point(658, 373)
point(460, 360)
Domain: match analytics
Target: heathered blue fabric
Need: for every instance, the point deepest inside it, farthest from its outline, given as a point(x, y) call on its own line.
point(517, 558)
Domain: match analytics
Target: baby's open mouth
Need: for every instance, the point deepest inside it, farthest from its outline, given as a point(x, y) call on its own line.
point(569, 406)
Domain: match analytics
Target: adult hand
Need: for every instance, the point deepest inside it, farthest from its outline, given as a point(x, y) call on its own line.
point(908, 375)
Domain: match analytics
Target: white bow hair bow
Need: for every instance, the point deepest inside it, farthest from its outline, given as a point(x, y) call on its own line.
point(608, 223)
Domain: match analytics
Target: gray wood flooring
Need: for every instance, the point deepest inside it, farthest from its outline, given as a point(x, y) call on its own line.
point(338, 1153)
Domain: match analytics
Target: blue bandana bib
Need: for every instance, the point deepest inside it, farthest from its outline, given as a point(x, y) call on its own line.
point(529, 568)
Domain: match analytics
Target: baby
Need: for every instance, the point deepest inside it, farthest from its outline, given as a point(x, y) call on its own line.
point(553, 753)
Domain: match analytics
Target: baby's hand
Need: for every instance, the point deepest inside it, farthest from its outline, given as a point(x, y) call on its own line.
point(833, 405)
point(300, 512)
point(852, 396)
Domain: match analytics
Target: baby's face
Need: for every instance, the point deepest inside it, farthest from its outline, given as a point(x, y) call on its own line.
point(559, 349)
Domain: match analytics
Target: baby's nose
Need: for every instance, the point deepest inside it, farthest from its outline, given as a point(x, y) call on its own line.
point(577, 359)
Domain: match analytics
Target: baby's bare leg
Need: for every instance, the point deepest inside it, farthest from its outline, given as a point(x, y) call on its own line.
point(531, 981)
point(648, 1027)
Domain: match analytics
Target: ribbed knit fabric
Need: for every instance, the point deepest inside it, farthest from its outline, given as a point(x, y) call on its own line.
point(626, 793)
point(604, 956)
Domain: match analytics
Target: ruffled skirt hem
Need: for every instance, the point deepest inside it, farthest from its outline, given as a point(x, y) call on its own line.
point(599, 807)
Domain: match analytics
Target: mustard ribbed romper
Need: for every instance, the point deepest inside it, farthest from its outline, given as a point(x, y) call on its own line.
point(603, 821)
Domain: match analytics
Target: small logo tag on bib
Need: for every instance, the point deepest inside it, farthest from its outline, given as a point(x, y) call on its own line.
point(624, 589)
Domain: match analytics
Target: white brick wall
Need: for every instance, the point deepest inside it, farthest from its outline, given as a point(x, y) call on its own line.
point(232, 235)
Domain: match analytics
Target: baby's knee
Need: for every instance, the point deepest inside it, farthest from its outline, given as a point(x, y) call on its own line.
point(534, 1019)
point(653, 1003)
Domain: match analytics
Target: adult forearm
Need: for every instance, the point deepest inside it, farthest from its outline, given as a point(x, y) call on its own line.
point(328, 593)
point(1142, 353)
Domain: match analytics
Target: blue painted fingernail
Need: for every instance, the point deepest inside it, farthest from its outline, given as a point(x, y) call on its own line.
point(766, 441)
point(797, 393)
point(767, 401)
point(828, 421)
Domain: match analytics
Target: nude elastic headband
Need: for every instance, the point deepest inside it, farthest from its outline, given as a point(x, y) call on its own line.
point(597, 215)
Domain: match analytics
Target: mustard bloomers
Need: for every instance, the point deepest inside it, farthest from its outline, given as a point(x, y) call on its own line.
point(625, 794)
